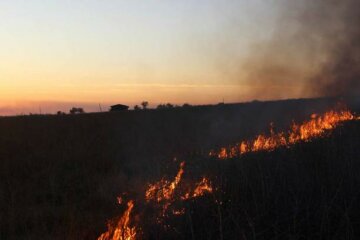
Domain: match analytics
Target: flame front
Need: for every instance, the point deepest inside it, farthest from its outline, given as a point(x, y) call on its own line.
point(163, 195)
point(306, 131)
point(122, 229)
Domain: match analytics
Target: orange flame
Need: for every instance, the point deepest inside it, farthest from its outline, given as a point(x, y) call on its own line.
point(122, 230)
point(164, 193)
point(203, 187)
point(306, 131)
point(164, 190)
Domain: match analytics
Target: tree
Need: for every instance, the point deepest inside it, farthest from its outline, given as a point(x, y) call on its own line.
point(144, 105)
point(137, 108)
point(160, 106)
point(165, 106)
point(169, 105)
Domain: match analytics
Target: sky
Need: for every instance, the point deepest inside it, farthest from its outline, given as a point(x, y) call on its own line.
point(60, 53)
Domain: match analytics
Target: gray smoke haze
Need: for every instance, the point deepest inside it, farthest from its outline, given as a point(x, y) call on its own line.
point(315, 43)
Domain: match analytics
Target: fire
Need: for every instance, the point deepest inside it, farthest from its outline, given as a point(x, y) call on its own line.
point(164, 190)
point(161, 195)
point(166, 196)
point(203, 187)
point(122, 229)
point(315, 127)
point(179, 212)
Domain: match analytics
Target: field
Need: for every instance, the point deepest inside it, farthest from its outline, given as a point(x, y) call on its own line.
point(61, 175)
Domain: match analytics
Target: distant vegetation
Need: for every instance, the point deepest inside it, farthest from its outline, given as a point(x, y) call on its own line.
point(60, 113)
point(144, 105)
point(75, 110)
point(170, 106)
point(165, 106)
point(161, 106)
point(136, 108)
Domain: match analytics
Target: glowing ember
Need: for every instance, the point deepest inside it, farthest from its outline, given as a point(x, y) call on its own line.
point(121, 230)
point(306, 131)
point(179, 212)
point(203, 187)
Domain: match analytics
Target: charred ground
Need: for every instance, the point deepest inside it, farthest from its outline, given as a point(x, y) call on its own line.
point(60, 175)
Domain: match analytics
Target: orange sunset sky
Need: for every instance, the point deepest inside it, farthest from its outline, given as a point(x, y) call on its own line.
point(59, 54)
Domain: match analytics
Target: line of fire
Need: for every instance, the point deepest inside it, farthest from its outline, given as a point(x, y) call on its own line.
point(169, 198)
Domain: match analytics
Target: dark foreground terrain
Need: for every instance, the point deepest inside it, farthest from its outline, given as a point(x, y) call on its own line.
point(60, 175)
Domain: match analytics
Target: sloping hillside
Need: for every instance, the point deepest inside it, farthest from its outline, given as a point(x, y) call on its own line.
point(61, 175)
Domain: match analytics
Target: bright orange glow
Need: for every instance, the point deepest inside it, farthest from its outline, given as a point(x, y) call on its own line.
point(164, 190)
point(163, 194)
point(121, 230)
point(201, 188)
point(20, 99)
point(315, 127)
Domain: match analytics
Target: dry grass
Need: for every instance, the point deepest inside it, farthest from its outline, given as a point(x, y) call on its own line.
point(60, 175)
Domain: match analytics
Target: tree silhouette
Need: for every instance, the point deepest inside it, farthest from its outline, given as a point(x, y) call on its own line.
point(169, 105)
point(144, 105)
point(166, 106)
point(60, 113)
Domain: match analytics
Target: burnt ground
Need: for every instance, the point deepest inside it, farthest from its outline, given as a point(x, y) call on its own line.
point(60, 175)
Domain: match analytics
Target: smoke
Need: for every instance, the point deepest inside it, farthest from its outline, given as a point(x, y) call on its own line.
point(313, 51)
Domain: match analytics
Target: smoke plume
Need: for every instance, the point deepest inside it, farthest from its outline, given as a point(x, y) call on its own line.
point(315, 43)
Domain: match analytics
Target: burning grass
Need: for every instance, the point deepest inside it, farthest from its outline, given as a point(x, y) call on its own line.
point(121, 230)
point(62, 175)
point(166, 196)
point(315, 127)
